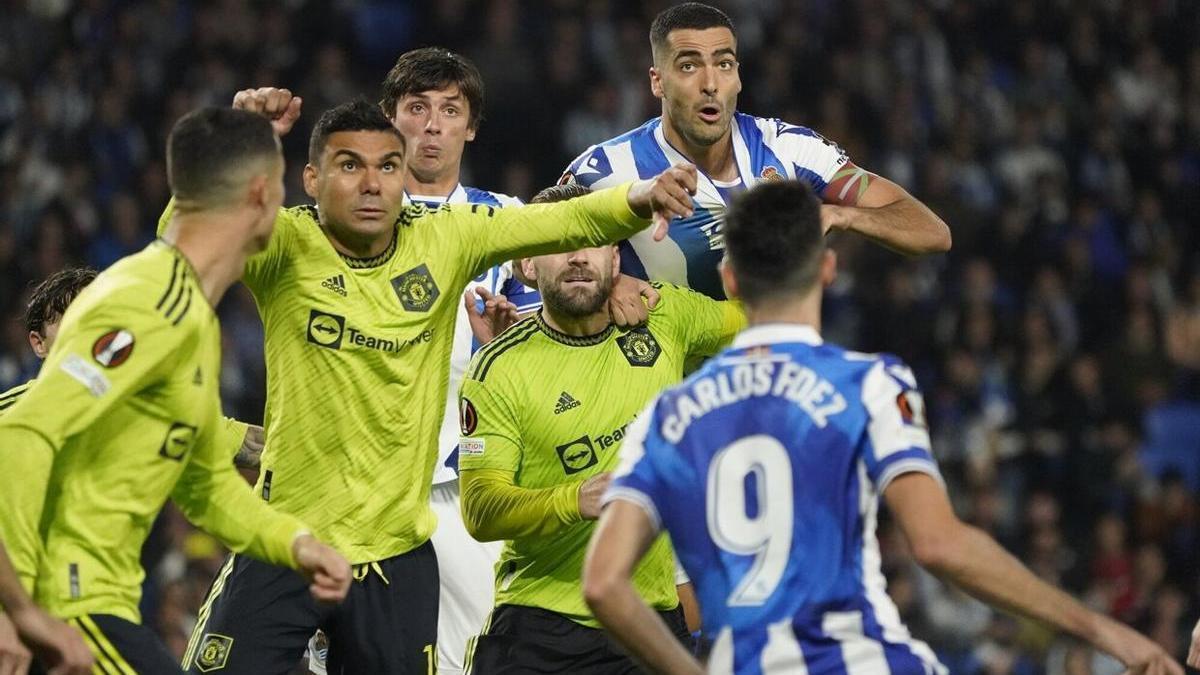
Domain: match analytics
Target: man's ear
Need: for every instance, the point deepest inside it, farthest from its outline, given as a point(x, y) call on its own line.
point(616, 264)
point(655, 83)
point(529, 270)
point(728, 281)
point(310, 180)
point(38, 343)
point(828, 268)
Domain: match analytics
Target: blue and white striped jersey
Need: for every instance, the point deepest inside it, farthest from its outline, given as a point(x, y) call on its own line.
point(498, 279)
point(765, 149)
point(766, 468)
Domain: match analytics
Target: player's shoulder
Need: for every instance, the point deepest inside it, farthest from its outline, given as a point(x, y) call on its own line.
point(674, 301)
point(489, 198)
point(493, 361)
point(598, 160)
point(786, 137)
point(154, 286)
point(10, 397)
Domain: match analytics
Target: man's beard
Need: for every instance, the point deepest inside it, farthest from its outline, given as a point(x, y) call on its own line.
point(577, 303)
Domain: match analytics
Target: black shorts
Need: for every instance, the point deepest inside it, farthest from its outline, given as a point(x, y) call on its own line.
point(258, 618)
point(521, 640)
point(122, 648)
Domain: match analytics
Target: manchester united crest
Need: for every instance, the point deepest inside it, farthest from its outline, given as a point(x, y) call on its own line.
point(639, 347)
point(213, 653)
point(416, 289)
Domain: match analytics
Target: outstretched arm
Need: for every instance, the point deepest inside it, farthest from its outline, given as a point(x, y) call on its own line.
point(969, 558)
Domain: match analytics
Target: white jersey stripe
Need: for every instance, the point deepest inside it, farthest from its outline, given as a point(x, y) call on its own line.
point(861, 655)
point(782, 653)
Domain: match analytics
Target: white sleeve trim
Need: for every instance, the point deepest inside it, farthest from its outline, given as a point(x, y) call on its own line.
point(637, 497)
point(908, 466)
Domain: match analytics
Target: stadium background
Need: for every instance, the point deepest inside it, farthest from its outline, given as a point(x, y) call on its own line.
point(1058, 343)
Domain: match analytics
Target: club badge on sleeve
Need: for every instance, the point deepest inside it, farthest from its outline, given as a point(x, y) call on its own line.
point(113, 348)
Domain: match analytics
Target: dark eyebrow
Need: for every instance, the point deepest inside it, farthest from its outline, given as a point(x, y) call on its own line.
point(693, 53)
point(395, 154)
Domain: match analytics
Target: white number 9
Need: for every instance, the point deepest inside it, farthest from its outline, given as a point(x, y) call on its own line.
point(767, 536)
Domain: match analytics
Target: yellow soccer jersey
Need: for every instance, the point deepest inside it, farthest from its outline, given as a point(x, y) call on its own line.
point(356, 354)
point(125, 413)
point(553, 409)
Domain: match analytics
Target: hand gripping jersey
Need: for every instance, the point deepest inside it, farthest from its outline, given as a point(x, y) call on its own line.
point(356, 354)
point(522, 415)
point(496, 279)
point(125, 413)
point(766, 468)
point(765, 149)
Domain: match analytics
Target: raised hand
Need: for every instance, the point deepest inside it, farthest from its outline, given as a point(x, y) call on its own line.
point(625, 305)
point(664, 197)
point(497, 315)
point(277, 105)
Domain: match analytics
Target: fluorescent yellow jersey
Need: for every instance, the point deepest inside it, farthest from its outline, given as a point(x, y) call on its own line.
point(552, 409)
point(357, 353)
point(125, 413)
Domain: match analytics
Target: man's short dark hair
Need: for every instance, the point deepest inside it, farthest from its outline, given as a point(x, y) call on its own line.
point(50, 298)
point(356, 115)
point(560, 193)
point(431, 68)
point(774, 241)
point(686, 16)
point(209, 148)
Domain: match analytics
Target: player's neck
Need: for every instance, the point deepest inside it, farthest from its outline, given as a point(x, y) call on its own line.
point(576, 326)
point(716, 160)
point(432, 186)
point(363, 246)
point(198, 237)
point(805, 311)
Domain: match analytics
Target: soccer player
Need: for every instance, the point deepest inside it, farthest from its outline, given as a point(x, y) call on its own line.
point(536, 451)
point(695, 73)
point(766, 468)
point(125, 411)
point(435, 98)
point(359, 297)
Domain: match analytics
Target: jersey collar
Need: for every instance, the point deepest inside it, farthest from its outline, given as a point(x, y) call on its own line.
point(572, 340)
point(775, 333)
point(457, 196)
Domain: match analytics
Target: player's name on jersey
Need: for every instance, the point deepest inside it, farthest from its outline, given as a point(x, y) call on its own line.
point(330, 331)
point(812, 393)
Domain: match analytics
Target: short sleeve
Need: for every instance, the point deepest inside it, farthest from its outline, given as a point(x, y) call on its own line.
point(637, 478)
point(491, 436)
point(706, 325)
point(814, 158)
point(897, 438)
point(592, 169)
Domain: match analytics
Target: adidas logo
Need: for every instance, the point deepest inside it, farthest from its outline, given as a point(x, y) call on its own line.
point(565, 403)
point(336, 283)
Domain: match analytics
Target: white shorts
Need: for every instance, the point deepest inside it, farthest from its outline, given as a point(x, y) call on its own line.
point(468, 572)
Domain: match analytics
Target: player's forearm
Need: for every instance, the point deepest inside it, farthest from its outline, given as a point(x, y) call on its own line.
point(223, 505)
point(906, 225)
point(13, 596)
point(27, 458)
point(638, 628)
point(494, 509)
point(602, 217)
point(973, 561)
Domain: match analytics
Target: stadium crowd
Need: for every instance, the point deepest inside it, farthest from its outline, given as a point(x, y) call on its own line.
point(1058, 342)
